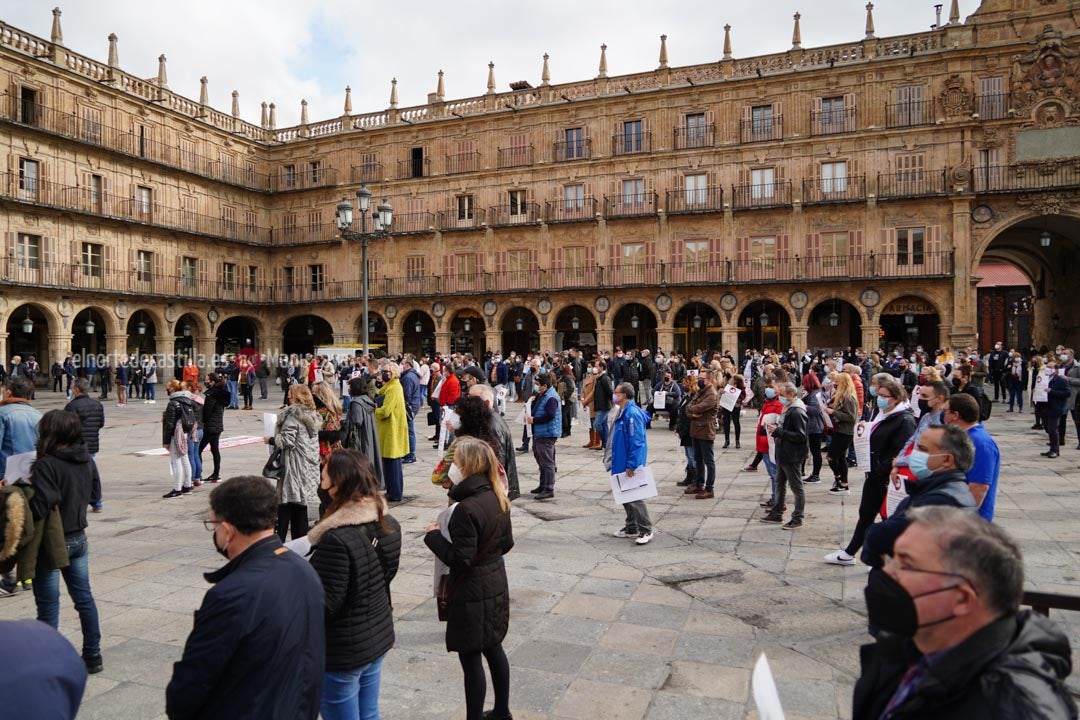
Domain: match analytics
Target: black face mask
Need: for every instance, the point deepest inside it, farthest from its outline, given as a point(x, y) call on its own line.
point(324, 497)
point(221, 550)
point(890, 607)
point(701, 384)
point(924, 408)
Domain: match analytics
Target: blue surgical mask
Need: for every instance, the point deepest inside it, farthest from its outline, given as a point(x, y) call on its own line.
point(827, 382)
point(770, 393)
point(1064, 358)
point(918, 462)
point(882, 403)
point(784, 401)
point(873, 391)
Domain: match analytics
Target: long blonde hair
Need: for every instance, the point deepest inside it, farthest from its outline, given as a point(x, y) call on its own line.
point(300, 395)
point(475, 457)
point(326, 396)
point(845, 388)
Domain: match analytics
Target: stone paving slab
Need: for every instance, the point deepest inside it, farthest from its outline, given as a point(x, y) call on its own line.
point(600, 628)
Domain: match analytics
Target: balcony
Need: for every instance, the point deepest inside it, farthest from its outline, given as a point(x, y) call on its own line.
point(832, 122)
point(524, 214)
point(697, 272)
point(630, 273)
point(694, 200)
point(454, 218)
point(116, 207)
point(762, 129)
point(993, 106)
point(303, 178)
point(1041, 176)
point(631, 143)
point(515, 156)
point(765, 195)
point(567, 277)
point(834, 190)
point(415, 168)
point(630, 205)
point(462, 163)
point(473, 282)
point(305, 234)
point(413, 222)
point(572, 150)
point(69, 125)
point(911, 183)
point(912, 113)
point(516, 280)
point(690, 137)
point(572, 210)
point(366, 173)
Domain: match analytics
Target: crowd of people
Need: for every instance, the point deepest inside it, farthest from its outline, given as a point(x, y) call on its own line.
point(943, 587)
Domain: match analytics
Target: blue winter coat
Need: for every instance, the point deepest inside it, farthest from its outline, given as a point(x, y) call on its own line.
point(547, 415)
point(414, 393)
point(629, 448)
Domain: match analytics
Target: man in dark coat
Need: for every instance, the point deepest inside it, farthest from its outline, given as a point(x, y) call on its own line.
point(952, 642)
point(358, 427)
point(258, 647)
point(216, 400)
point(92, 415)
point(792, 447)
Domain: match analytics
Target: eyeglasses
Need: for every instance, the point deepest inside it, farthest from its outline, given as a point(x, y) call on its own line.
point(888, 561)
point(211, 524)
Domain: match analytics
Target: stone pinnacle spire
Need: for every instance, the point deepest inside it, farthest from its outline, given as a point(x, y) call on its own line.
point(727, 42)
point(236, 103)
point(303, 112)
point(954, 13)
point(796, 35)
point(272, 122)
point(204, 91)
point(348, 100)
point(393, 93)
point(603, 62)
point(162, 78)
point(491, 79)
point(663, 52)
point(440, 89)
point(545, 74)
point(869, 21)
point(57, 35)
point(114, 54)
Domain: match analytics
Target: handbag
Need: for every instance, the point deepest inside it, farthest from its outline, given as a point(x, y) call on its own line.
point(274, 469)
point(431, 417)
point(445, 589)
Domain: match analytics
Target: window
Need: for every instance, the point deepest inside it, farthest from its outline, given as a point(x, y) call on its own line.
point(369, 167)
point(910, 246)
point(416, 156)
point(288, 224)
point(228, 171)
point(288, 279)
point(519, 208)
point(92, 261)
point(574, 143)
point(908, 109)
point(28, 106)
point(253, 278)
point(633, 139)
point(633, 193)
point(189, 272)
point(573, 198)
point(143, 202)
point(187, 154)
point(992, 98)
point(317, 276)
point(574, 261)
point(517, 261)
point(250, 173)
point(28, 179)
point(909, 173)
point(761, 121)
point(833, 177)
point(696, 255)
point(633, 255)
point(143, 137)
point(696, 190)
point(28, 251)
point(834, 253)
point(250, 221)
point(228, 276)
point(91, 125)
point(228, 220)
point(832, 114)
point(762, 183)
point(695, 130)
point(316, 172)
point(464, 208)
point(314, 221)
point(466, 267)
point(290, 176)
point(762, 255)
point(96, 200)
point(414, 267)
point(189, 210)
point(989, 175)
point(144, 266)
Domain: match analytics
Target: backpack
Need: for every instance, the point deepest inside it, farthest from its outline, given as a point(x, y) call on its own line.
point(633, 371)
point(985, 406)
point(187, 417)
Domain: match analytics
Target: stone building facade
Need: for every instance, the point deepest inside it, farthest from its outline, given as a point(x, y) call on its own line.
point(819, 197)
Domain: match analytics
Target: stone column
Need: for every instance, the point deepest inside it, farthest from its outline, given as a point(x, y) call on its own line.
point(799, 337)
point(204, 348)
point(347, 339)
point(3, 348)
point(395, 342)
point(442, 341)
point(116, 345)
point(730, 339)
point(493, 340)
point(59, 347)
point(665, 338)
point(605, 339)
point(870, 339)
point(547, 340)
point(962, 330)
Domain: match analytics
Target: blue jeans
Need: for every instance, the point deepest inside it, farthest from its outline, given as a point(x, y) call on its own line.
point(770, 467)
point(412, 438)
point(352, 693)
point(194, 457)
point(704, 463)
point(149, 391)
point(101, 499)
point(77, 578)
point(600, 425)
point(690, 462)
point(233, 387)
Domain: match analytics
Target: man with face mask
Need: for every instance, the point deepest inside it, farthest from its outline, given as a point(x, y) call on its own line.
point(258, 647)
point(626, 453)
point(996, 365)
point(952, 640)
point(1070, 370)
point(942, 456)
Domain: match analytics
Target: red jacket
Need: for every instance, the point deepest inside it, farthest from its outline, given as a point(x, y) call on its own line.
point(451, 391)
point(770, 406)
point(859, 393)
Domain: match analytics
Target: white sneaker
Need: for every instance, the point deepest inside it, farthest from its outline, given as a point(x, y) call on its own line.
point(839, 558)
point(644, 539)
point(621, 533)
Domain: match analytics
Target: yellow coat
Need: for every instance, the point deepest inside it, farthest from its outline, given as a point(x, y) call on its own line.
point(390, 421)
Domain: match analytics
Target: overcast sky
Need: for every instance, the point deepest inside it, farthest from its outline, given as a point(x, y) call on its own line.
point(284, 50)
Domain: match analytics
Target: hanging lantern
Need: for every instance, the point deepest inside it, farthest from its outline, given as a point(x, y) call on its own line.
point(28, 324)
point(634, 321)
point(1044, 239)
point(90, 327)
point(696, 320)
point(519, 324)
point(834, 319)
point(186, 330)
point(468, 325)
point(310, 328)
point(140, 328)
point(909, 318)
point(764, 319)
point(419, 325)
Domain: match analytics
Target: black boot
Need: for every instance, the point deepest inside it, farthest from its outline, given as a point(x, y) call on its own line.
point(690, 478)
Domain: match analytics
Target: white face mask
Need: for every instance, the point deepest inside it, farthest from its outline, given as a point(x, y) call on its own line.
point(454, 473)
point(455, 422)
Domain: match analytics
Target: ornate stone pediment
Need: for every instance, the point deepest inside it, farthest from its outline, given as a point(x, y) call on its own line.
point(1049, 203)
point(955, 97)
point(1050, 70)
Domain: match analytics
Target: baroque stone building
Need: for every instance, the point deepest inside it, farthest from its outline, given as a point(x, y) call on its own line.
point(819, 197)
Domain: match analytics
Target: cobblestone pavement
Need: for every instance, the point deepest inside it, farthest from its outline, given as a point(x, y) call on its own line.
point(600, 628)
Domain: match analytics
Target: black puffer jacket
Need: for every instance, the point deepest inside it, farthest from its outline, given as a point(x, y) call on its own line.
point(356, 579)
point(886, 441)
point(1013, 668)
point(216, 398)
point(479, 605)
point(173, 414)
point(92, 415)
point(66, 479)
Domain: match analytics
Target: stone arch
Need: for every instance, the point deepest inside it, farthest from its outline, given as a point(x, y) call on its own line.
point(925, 330)
point(161, 326)
point(52, 318)
point(200, 326)
point(821, 333)
point(112, 323)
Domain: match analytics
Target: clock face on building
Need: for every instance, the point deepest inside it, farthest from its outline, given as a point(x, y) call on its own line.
point(798, 299)
point(438, 309)
point(870, 297)
point(728, 302)
point(602, 304)
point(490, 308)
point(544, 306)
point(982, 213)
point(663, 303)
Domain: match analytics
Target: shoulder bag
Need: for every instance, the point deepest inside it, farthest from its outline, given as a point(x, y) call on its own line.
point(442, 595)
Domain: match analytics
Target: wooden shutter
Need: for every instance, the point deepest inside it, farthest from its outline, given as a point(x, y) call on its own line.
point(782, 256)
point(203, 270)
point(850, 112)
point(716, 251)
point(159, 269)
point(888, 242)
point(48, 251)
point(933, 259)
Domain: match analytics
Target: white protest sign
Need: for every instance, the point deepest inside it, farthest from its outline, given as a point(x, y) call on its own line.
point(628, 489)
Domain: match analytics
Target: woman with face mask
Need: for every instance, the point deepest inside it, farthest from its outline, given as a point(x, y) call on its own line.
point(1017, 381)
point(297, 435)
point(392, 424)
point(355, 551)
point(478, 534)
point(844, 410)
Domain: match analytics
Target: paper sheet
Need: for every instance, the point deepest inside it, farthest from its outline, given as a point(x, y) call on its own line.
point(659, 399)
point(628, 489)
point(862, 445)
point(442, 568)
point(269, 424)
point(18, 467)
point(766, 420)
point(763, 686)
point(730, 397)
point(449, 419)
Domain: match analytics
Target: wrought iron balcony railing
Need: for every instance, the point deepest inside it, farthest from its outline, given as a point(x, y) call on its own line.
point(691, 200)
point(851, 188)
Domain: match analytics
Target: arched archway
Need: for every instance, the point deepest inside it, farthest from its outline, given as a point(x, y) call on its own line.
point(142, 332)
point(908, 322)
point(418, 334)
point(834, 325)
point(520, 332)
point(238, 334)
point(377, 333)
point(303, 333)
point(467, 333)
point(575, 327)
point(764, 324)
point(697, 327)
point(89, 328)
point(185, 330)
point(28, 327)
point(634, 327)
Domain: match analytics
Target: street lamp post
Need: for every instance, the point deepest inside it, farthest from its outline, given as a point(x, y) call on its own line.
point(383, 217)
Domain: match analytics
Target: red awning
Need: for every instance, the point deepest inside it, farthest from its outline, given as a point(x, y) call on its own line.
point(1001, 275)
